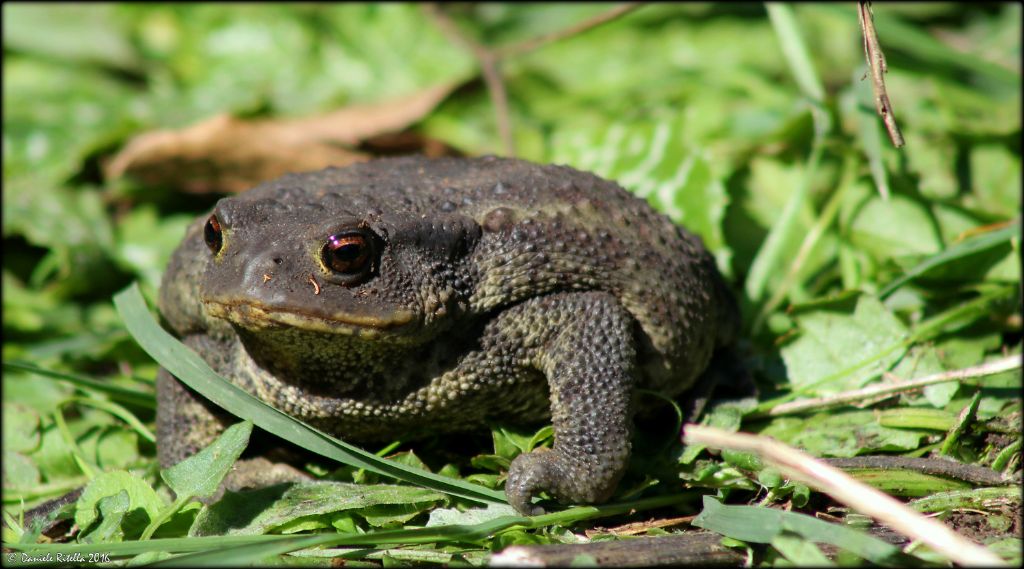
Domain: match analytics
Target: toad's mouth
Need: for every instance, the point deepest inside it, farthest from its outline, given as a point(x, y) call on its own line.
point(257, 317)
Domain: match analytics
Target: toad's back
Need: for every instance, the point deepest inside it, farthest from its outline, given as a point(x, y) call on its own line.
point(548, 228)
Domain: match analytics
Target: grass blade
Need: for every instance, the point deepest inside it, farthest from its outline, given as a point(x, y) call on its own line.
point(116, 392)
point(184, 364)
point(783, 231)
point(962, 249)
point(795, 51)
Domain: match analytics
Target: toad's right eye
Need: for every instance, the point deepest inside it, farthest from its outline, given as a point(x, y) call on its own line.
point(213, 235)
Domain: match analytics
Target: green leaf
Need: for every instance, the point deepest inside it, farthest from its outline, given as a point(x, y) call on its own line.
point(922, 360)
point(293, 60)
point(795, 50)
point(726, 415)
point(509, 443)
point(20, 471)
point(115, 448)
point(933, 159)
point(892, 228)
point(72, 225)
point(452, 516)
point(54, 457)
point(194, 372)
point(842, 434)
point(268, 509)
point(21, 428)
point(763, 525)
point(917, 418)
point(393, 515)
point(800, 551)
point(73, 33)
point(967, 416)
point(961, 251)
point(839, 349)
point(144, 504)
point(49, 128)
point(243, 549)
point(145, 242)
point(995, 181)
point(113, 510)
point(200, 475)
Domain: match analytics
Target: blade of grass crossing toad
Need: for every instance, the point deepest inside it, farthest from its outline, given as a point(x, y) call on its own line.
point(453, 532)
point(188, 367)
point(256, 552)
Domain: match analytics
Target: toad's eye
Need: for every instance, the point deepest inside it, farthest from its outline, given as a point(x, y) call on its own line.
point(348, 253)
point(213, 235)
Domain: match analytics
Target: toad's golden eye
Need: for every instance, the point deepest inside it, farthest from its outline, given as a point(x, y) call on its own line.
point(213, 235)
point(348, 253)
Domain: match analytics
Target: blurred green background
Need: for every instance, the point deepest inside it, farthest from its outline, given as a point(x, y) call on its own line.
point(695, 107)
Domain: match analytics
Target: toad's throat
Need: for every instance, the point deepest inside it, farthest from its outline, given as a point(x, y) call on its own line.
point(326, 365)
point(256, 317)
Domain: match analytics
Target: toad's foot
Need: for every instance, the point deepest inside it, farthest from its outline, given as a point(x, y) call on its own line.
point(590, 366)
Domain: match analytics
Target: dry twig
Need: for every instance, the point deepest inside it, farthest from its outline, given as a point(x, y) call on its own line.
point(876, 64)
point(990, 368)
point(977, 475)
point(799, 466)
point(575, 29)
point(491, 58)
point(489, 66)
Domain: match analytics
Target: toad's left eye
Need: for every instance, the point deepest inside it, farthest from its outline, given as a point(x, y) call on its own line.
point(347, 254)
point(213, 234)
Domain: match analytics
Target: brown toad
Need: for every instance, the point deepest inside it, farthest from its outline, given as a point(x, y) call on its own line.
point(412, 296)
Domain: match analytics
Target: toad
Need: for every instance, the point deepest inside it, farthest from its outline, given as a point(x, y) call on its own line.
point(410, 296)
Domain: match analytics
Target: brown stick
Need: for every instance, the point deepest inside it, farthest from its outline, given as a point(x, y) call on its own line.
point(876, 63)
point(936, 466)
point(489, 66)
point(491, 58)
point(990, 368)
point(593, 22)
point(692, 548)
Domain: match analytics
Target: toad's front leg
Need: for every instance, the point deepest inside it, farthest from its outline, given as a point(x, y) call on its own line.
point(583, 343)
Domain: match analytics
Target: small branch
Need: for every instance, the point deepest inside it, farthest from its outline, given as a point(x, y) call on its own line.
point(799, 466)
point(489, 66)
point(491, 58)
point(990, 368)
point(876, 63)
point(639, 527)
point(542, 40)
point(978, 475)
point(684, 549)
